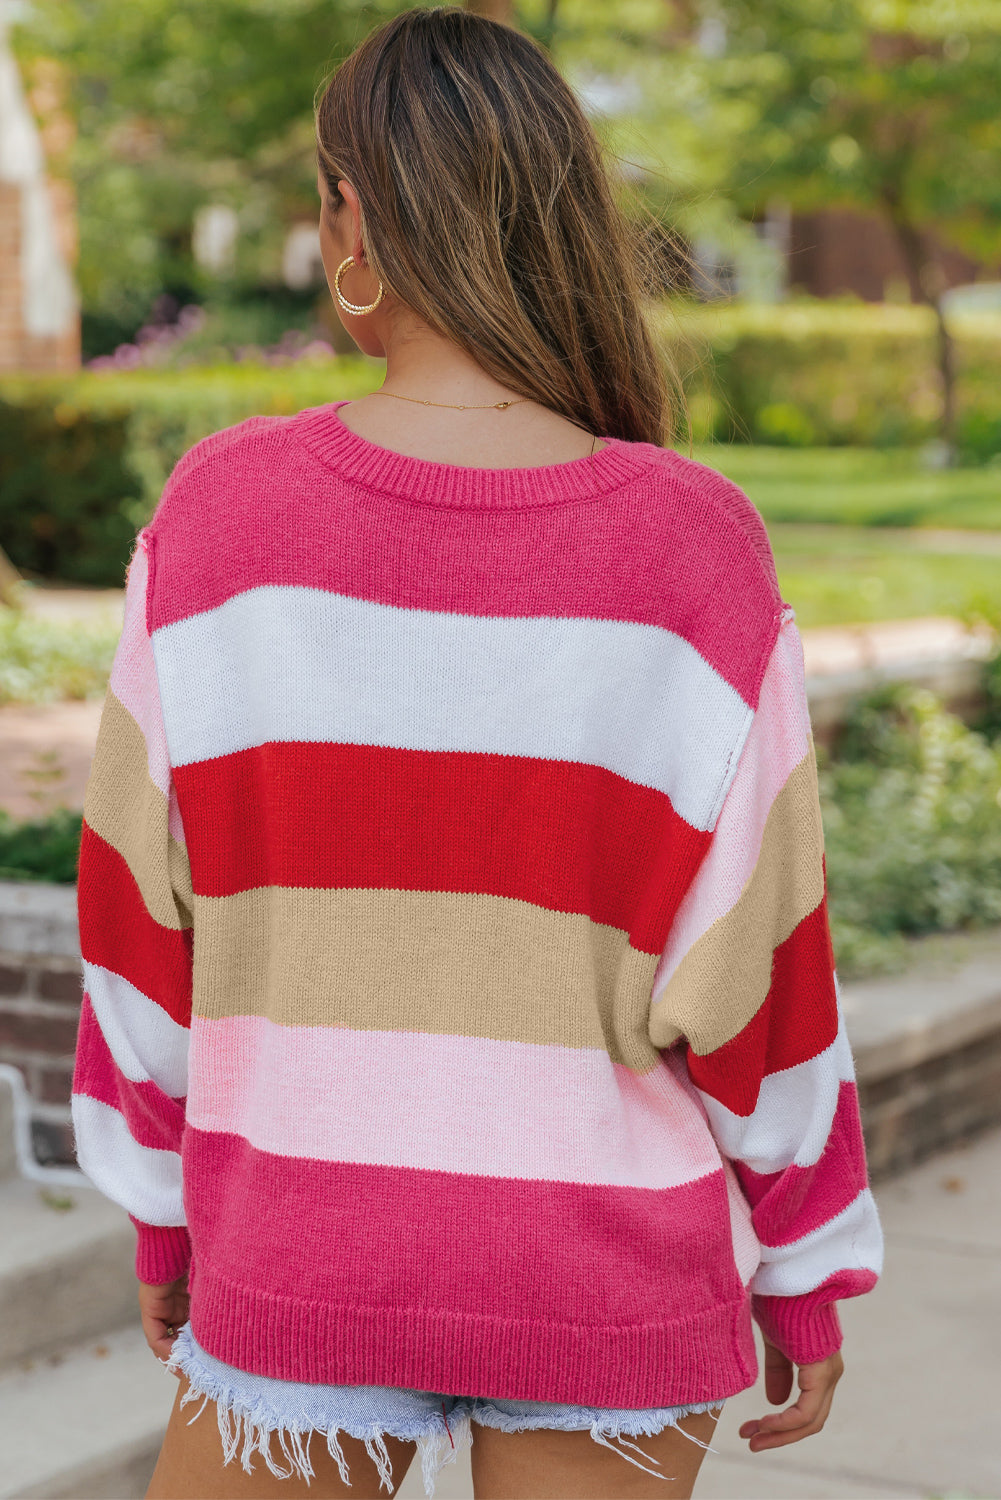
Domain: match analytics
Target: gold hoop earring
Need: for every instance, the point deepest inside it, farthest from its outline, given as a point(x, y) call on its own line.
point(351, 307)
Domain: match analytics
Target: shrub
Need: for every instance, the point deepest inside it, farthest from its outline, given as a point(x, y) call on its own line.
point(84, 458)
point(65, 488)
point(47, 661)
point(833, 373)
point(42, 849)
point(911, 800)
point(979, 438)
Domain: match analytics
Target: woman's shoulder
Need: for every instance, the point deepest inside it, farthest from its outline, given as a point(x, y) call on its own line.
point(232, 454)
point(719, 513)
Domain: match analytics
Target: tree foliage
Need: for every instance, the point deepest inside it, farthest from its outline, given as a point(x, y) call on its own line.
point(716, 108)
point(180, 103)
point(872, 104)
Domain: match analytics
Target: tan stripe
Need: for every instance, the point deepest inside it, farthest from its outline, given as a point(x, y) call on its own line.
point(439, 962)
point(724, 977)
point(129, 811)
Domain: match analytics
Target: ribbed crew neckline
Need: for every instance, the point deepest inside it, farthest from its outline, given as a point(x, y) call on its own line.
point(428, 481)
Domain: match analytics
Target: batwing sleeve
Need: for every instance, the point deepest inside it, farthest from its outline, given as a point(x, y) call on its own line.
point(134, 907)
point(747, 992)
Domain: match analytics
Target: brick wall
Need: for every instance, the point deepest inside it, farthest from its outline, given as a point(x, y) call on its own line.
point(39, 1014)
point(10, 274)
point(45, 90)
point(21, 351)
point(40, 994)
point(912, 1112)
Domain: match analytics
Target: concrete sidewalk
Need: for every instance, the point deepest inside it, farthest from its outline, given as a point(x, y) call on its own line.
point(916, 1414)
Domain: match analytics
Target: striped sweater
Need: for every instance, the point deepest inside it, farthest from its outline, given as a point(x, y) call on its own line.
point(460, 1009)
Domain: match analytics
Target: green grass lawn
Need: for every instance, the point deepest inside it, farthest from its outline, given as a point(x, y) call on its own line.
point(859, 486)
point(845, 575)
point(856, 532)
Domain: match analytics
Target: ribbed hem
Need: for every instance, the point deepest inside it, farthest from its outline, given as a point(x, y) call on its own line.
point(707, 1357)
point(804, 1328)
point(320, 429)
point(162, 1253)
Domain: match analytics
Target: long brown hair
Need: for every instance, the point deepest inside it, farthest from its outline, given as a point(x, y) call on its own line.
point(487, 208)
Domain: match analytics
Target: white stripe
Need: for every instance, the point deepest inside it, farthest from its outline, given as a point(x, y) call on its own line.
point(147, 1044)
point(851, 1241)
point(792, 1119)
point(286, 663)
point(776, 744)
point(145, 1181)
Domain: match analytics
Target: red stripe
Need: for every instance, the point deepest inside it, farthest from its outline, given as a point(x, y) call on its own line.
point(797, 1020)
point(153, 1119)
point(560, 834)
point(117, 931)
point(789, 1204)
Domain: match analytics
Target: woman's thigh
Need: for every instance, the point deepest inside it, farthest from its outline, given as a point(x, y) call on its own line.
point(542, 1464)
point(190, 1466)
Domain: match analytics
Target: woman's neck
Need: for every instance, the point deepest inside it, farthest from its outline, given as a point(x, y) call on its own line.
point(423, 367)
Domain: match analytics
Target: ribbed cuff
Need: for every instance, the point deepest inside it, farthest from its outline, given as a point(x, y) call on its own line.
point(163, 1253)
point(804, 1328)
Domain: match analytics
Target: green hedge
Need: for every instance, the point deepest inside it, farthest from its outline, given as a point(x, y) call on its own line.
point(50, 661)
point(830, 374)
point(83, 459)
point(42, 848)
point(911, 826)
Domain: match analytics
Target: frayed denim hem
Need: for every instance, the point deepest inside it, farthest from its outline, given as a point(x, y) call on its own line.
point(603, 1423)
point(246, 1415)
point(251, 1408)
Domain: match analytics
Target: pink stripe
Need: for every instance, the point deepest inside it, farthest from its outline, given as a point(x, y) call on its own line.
point(152, 1118)
point(133, 673)
point(507, 1109)
point(746, 1246)
point(790, 1204)
point(659, 549)
point(133, 682)
point(550, 1259)
point(777, 742)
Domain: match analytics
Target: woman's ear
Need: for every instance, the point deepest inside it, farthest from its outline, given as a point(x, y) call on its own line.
point(350, 197)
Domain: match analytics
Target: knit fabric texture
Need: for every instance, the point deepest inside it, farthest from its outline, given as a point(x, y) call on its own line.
point(459, 1003)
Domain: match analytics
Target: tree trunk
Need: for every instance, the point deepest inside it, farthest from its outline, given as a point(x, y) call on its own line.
point(548, 33)
point(10, 582)
point(927, 286)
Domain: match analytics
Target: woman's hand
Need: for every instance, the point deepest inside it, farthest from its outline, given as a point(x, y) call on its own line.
point(163, 1309)
point(808, 1414)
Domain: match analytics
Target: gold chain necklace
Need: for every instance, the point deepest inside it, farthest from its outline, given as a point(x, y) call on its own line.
point(453, 406)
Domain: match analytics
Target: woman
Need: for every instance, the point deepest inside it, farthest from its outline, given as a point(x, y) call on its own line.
point(461, 1030)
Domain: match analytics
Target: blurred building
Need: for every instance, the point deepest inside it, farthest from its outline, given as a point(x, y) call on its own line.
point(39, 307)
point(838, 250)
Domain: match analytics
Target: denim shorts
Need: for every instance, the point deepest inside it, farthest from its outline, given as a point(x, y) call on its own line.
point(252, 1407)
